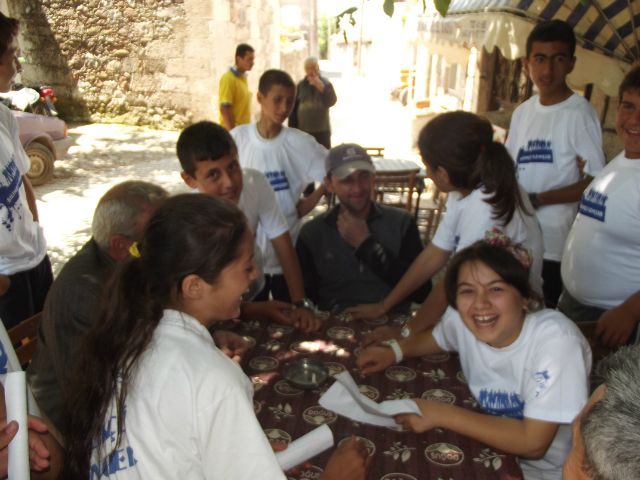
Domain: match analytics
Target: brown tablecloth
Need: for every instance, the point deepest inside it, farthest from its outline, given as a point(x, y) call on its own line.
point(286, 413)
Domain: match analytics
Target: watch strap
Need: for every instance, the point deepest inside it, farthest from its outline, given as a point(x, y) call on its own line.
point(395, 346)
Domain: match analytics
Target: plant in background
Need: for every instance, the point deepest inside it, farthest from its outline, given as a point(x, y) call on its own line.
point(323, 33)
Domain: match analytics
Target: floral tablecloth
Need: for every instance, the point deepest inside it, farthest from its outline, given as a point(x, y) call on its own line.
point(287, 413)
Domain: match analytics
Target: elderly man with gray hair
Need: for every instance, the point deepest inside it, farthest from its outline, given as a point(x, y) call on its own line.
point(74, 301)
point(315, 95)
point(606, 434)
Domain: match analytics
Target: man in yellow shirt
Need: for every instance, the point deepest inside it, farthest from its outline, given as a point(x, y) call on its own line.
point(233, 93)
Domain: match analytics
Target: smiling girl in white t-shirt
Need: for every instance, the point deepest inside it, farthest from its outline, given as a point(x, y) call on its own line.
point(153, 397)
point(527, 368)
point(462, 160)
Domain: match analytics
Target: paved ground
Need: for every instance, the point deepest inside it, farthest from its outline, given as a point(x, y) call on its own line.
point(105, 155)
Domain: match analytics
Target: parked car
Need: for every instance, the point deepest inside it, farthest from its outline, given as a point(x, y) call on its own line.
point(45, 139)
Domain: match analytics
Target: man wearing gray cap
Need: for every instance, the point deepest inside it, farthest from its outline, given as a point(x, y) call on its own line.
point(358, 250)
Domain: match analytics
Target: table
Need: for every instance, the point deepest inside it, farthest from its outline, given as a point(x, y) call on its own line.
point(286, 413)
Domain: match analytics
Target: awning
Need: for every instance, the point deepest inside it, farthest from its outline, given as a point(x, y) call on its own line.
point(606, 31)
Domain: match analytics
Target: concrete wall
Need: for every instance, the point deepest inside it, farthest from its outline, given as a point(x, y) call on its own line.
point(292, 57)
point(142, 62)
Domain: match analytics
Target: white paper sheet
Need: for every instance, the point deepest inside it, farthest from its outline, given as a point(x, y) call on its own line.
point(345, 399)
point(15, 397)
point(305, 447)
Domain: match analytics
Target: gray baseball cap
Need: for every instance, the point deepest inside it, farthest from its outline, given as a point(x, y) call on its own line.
point(347, 158)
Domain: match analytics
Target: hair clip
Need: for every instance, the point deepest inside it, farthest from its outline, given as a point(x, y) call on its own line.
point(523, 254)
point(133, 250)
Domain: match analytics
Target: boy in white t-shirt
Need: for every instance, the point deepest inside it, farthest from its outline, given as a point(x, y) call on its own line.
point(601, 261)
point(25, 270)
point(290, 158)
point(209, 159)
point(550, 135)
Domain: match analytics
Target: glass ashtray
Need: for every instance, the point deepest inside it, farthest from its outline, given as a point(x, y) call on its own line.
point(307, 373)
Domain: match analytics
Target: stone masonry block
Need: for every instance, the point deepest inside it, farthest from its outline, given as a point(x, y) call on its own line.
point(191, 68)
point(172, 84)
point(198, 8)
point(165, 49)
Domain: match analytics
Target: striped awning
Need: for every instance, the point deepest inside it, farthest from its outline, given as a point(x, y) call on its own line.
point(606, 31)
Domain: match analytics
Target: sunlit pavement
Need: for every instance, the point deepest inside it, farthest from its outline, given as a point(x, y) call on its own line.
point(105, 155)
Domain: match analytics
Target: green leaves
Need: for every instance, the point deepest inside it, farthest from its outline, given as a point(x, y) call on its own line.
point(389, 7)
point(442, 6)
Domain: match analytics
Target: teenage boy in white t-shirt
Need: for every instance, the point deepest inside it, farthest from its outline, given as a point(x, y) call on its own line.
point(601, 261)
point(209, 160)
point(550, 134)
point(290, 158)
point(25, 269)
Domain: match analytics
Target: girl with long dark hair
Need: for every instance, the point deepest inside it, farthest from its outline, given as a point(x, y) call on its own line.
point(153, 396)
point(479, 175)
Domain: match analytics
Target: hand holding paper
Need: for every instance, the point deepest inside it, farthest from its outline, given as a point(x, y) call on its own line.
point(345, 399)
point(305, 447)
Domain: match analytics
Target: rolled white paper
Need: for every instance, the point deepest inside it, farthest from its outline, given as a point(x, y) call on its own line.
point(305, 447)
point(15, 397)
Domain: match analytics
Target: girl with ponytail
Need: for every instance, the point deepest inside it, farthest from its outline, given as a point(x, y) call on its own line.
point(153, 397)
point(479, 175)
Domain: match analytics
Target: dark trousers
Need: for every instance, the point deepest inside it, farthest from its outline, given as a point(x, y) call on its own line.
point(579, 312)
point(26, 294)
point(277, 286)
point(552, 286)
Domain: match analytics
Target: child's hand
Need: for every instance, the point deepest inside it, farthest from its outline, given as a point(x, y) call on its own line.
point(366, 310)
point(430, 412)
point(350, 461)
point(381, 334)
point(231, 344)
point(305, 320)
point(376, 359)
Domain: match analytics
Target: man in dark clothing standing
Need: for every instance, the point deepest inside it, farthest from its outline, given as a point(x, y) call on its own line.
point(359, 250)
point(315, 95)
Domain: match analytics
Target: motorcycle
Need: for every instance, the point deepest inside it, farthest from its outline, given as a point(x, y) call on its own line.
point(38, 100)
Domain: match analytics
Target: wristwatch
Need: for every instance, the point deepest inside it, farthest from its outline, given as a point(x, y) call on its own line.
point(406, 330)
point(305, 303)
point(392, 342)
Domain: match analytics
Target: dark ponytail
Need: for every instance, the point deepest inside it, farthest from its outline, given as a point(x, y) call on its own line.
point(188, 234)
point(462, 143)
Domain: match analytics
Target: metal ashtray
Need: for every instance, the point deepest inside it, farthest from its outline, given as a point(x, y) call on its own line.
point(307, 373)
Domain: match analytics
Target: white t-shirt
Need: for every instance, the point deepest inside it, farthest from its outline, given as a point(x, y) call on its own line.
point(22, 243)
point(542, 376)
point(9, 363)
point(469, 218)
point(189, 414)
point(601, 261)
point(544, 142)
point(290, 161)
point(258, 203)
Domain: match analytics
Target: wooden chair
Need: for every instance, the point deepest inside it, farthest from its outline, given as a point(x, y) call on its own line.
point(397, 186)
point(26, 333)
point(429, 211)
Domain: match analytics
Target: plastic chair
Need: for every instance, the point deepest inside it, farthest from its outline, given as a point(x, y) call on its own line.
point(396, 188)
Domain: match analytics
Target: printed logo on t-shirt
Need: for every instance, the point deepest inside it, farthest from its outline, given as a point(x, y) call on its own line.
point(4, 358)
point(593, 204)
point(278, 179)
point(502, 403)
point(542, 379)
point(10, 183)
point(536, 151)
point(456, 242)
point(119, 459)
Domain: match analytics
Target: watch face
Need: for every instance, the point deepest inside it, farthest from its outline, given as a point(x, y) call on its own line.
point(406, 331)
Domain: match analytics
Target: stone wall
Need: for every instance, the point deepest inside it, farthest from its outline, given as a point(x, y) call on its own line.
point(292, 57)
point(142, 62)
